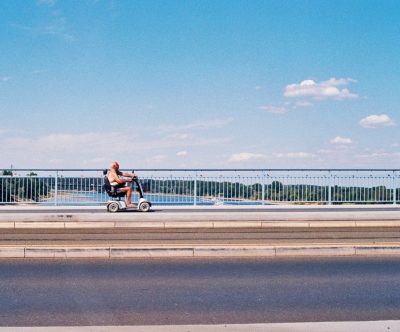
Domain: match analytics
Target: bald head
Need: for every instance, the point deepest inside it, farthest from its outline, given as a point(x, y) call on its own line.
point(115, 165)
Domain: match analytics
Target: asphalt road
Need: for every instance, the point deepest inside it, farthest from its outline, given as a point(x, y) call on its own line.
point(148, 292)
point(242, 236)
point(211, 210)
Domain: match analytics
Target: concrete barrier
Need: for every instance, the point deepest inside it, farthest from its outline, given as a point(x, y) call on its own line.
point(256, 217)
point(107, 252)
point(196, 224)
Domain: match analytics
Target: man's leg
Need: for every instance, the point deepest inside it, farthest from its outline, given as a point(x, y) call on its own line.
point(129, 198)
point(128, 191)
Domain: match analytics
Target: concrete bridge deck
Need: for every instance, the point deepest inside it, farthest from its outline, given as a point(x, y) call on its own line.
point(203, 217)
point(50, 232)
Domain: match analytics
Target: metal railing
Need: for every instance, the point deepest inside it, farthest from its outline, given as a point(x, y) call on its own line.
point(207, 186)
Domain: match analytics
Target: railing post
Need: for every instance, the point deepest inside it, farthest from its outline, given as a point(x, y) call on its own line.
point(56, 188)
point(263, 188)
point(330, 189)
point(195, 189)
point(394, 189)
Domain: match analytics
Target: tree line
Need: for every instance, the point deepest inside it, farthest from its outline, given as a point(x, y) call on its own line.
point(275, 191)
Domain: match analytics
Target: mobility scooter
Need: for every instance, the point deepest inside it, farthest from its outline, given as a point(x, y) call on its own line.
point(115, 203)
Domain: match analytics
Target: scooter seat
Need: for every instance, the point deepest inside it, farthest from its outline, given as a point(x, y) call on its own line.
point(110, 190)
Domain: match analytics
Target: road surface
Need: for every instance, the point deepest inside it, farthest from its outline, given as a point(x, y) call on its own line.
point(148, 292)
point(199, 236)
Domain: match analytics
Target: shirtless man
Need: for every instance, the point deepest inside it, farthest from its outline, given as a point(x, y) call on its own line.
point(119, 184)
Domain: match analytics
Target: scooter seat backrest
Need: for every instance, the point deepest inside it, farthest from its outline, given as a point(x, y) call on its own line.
point(107, 186)
point(109, 189)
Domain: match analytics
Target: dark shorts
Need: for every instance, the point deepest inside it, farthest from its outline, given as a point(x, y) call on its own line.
point(117, 188)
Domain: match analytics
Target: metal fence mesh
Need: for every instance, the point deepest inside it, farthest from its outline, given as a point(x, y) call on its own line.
point(206, 187)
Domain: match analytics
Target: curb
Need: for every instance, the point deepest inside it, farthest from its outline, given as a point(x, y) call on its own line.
point(209, 220)
point(223, 224)
point(367, 326)
point(110, 252)
point(255, 216)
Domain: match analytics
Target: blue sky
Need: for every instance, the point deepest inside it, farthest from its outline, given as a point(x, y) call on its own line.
point(199, 83)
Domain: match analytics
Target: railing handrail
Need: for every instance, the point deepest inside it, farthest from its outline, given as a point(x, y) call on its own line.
point(209, 169)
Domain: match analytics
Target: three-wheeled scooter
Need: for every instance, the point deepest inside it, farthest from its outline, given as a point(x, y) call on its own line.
point(115, 204)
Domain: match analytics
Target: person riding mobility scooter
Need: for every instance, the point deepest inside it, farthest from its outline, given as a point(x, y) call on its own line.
point(115, 204)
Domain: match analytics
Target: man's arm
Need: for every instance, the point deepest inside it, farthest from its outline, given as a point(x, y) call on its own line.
point(128, 174)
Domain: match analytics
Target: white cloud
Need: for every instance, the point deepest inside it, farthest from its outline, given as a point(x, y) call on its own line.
point(63, 142)
point(285, 107)
point(66, 150)
point(378, 155)
point(207, 141)
point(94, 162)
point(245, 156)
point(295, 155)
point(273, 109)
point(38, 71)
point(341, 140)
point(339, 81)
point(82, 149)
point(5, 78)
point(373, 121)
point(182, 153)
point(178, 136)
point(321, 90)
point(209, 124)
point(325, 151)
point(156, 159)
point(303, 103)
point(98, 143)
point(199, 125)
point(57, 27)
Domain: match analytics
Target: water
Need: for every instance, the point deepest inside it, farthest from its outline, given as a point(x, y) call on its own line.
point(95, 198)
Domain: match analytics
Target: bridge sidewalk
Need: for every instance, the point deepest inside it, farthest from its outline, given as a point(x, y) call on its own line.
point(18, 217)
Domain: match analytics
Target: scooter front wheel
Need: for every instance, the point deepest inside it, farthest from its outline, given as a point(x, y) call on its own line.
point(144, 207)
point(113, 207)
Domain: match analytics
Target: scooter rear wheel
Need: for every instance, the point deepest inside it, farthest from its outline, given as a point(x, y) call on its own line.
point(113, 207)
